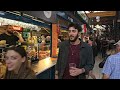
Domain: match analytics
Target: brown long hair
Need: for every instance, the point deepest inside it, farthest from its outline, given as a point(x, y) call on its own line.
point(24, 67)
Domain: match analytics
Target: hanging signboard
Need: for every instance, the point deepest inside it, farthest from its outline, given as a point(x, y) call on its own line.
point(84, 29)
point(63, 15)
point(17, 28)
point(48, 16)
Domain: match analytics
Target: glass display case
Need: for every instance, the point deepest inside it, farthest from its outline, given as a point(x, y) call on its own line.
point(38, 45)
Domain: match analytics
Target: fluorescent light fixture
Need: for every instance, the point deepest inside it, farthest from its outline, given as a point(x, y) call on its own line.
point(94, 11)
point(37, 20)
point(104, 26)
point(5, 21)
point(118, 20)
point(2, 13)
point(79, 12)
point(94, 28)
point(28, 15)
point(17, 12)
point(61, 13)
point(13, 13)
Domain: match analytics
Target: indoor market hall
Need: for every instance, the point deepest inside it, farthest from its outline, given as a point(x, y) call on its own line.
point(59, 44)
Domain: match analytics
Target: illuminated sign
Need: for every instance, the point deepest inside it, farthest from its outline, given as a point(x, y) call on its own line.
point(17, 28)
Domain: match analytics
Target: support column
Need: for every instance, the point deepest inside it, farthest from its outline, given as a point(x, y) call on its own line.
point(54, 40)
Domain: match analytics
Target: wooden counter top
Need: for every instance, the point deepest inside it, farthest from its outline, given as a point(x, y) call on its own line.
point(43, 65)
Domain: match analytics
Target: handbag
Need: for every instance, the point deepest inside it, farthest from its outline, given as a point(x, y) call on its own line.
point(101, 64)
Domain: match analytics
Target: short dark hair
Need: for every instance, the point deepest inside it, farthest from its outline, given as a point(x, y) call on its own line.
point(76, 26)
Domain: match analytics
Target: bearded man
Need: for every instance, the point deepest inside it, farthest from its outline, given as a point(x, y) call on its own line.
point(74, 51)
point(11, 37)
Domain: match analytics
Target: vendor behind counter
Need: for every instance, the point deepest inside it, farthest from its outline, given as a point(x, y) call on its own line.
point(10, 37)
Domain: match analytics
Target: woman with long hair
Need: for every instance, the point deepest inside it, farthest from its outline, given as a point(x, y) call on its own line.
point(17, 64)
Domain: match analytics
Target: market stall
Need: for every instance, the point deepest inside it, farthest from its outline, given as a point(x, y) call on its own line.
point(37, 41)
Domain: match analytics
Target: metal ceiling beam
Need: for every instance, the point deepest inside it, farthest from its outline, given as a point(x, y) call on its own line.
point(77, 18)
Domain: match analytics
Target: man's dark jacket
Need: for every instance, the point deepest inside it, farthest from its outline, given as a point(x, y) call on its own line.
point(86, 58)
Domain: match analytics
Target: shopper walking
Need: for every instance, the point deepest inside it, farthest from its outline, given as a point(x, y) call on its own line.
point(75, 58)
point(111, 68)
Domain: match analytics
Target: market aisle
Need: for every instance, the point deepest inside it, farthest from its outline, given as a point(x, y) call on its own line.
point(96, 69)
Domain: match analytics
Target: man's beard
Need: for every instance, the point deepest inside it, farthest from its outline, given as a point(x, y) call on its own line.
point(75, 38)
point(10, 32)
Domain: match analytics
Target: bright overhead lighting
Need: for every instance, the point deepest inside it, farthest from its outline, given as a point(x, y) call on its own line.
point(13, 13)
point(79, 12)
point(27, 15)
point(99, 11)
point(104, 26)
point(87, 12)
point(6, 21)
point(94, 28)
point(94, 11)
point(37, 20)
point(100, 27)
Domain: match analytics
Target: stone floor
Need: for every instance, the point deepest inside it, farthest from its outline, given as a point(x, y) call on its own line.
point(96, 69)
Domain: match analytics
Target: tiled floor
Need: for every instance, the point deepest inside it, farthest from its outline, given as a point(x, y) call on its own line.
point(96, 69)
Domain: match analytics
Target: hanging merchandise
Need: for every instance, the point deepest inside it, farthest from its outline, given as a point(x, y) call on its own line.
point(25, 33)
point(98, 18)
point(84, 29)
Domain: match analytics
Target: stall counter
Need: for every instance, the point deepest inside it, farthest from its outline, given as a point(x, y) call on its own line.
point(45, 68)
